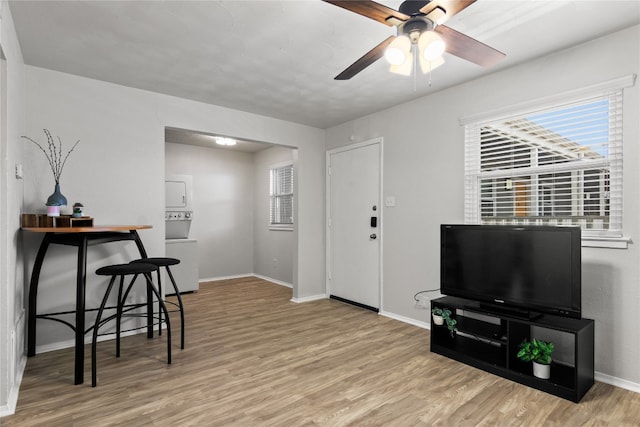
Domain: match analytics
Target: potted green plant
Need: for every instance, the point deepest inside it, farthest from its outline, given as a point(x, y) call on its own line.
point(538, 352)
point(442, 316)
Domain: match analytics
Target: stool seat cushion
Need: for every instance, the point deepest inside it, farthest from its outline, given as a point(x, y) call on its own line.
point(125, 269)
point(159, 261)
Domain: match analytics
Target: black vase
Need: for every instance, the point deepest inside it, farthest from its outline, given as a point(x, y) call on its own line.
point(57, 198)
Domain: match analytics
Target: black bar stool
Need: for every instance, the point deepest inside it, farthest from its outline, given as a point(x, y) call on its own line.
point(166, 262)
point(122, 270)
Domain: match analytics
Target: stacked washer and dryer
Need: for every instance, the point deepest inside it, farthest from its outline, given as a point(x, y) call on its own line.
point(177, 217)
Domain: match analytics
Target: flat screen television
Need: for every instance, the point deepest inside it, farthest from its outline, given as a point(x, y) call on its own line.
point(527, 269)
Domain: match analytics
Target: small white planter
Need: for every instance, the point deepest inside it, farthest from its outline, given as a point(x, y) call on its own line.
point(541, 371)
point(53, 210)
point(438, 320)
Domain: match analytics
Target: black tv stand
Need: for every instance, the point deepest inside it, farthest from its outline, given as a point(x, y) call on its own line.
point(505, 311)
point(490, 341)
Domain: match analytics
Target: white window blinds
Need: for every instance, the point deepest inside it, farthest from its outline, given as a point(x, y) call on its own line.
point(558, 165)
point(281, 196)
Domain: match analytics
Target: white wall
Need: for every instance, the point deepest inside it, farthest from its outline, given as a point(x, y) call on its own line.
point(424, 170)
point(12, 121)
point(231, 211)
point(273, 249)
point(117, 172)
point(223, 206)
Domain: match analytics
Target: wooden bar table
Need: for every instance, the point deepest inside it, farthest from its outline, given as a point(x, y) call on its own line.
point(81, 237)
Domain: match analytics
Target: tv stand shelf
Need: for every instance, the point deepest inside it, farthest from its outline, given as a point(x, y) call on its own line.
point(490, 341)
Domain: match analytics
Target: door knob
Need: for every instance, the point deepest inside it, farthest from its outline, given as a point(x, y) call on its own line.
point(373, 236)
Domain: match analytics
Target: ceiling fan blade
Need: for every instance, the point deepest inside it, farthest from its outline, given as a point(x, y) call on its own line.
point(372, 10)
point(441, 10)
point(367, 59)
point(468, 48)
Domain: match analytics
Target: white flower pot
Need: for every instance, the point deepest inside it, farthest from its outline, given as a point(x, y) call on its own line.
point(541, 371)
point(53, 210)
point(438, 320)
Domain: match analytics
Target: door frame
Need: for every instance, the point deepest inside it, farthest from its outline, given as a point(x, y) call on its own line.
point(380, 230)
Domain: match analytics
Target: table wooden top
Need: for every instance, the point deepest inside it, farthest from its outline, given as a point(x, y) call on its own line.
point(92, 229)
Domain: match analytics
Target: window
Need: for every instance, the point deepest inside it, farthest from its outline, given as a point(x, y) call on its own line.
point(281, 196)
point(559, 164)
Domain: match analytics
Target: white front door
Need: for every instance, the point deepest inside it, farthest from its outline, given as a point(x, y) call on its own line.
point(354, 223)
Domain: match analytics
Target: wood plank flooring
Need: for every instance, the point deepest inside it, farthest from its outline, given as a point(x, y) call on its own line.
point(253, 358)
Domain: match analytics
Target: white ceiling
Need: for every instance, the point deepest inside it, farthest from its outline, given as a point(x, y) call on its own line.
point(278, 58)
point(201, 139)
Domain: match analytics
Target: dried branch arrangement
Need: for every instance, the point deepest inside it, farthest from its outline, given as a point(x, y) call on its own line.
point(54, 154)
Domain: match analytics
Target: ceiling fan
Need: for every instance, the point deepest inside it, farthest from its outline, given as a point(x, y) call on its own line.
point(421, 36)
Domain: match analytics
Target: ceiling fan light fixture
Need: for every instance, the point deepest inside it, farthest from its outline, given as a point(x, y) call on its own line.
point(221, 140)
point(398, 51)
point(431, 45)
point(405, 68)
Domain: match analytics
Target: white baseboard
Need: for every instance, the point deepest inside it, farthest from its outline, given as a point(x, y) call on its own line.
point(18, 363)
point(45, 348)
point(215, 279)
point(309, 298)
point(268, 279)
point(414, 322)
point(277, 282)
point(240, 276)
point(12, 398)
point(87, 340)
point(617, 382)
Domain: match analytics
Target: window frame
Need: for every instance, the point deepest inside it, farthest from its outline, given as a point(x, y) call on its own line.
point(275, 195)
point(477, 199)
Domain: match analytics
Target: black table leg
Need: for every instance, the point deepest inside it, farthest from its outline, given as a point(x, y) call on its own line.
point(81, 281)
point(33, 295)
point(136, 238)
point(143, 254)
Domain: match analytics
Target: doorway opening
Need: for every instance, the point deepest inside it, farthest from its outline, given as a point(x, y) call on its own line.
point(231, 205)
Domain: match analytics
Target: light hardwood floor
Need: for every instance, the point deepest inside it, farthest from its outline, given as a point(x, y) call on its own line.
point(253, 358)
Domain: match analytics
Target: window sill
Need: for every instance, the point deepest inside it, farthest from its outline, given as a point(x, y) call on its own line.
point(606, 242)
point(281, 228)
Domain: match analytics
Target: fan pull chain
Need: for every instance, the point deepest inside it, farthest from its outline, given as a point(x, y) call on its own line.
point(414, 48)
